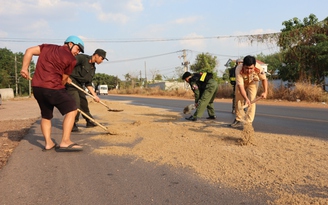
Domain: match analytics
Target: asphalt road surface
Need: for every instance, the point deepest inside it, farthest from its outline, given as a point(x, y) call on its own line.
point(35, 177)
point(298, 121)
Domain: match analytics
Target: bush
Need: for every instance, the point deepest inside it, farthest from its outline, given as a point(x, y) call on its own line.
point(301, 91)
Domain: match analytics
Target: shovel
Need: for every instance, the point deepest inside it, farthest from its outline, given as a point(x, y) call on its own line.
point(242, 107)
point(245, 106)
point(189, 108)
point(109, 109)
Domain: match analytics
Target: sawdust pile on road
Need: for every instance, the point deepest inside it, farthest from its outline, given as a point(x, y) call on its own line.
point(291, 169)
point(248, 134)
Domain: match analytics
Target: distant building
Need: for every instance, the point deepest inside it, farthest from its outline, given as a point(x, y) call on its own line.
point(7, 93)
point(165, 85)
point(264, 66)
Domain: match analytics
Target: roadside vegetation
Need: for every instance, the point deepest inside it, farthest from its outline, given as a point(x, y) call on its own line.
point(299, 92)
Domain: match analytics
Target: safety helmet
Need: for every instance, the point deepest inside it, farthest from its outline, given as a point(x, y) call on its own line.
point(76, 41)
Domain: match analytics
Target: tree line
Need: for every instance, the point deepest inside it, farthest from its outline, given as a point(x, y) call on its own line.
point(303, 55)
point(10, 66)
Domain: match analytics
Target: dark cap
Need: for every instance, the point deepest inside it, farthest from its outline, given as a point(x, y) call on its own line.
point(101, 53)
point(186, 75)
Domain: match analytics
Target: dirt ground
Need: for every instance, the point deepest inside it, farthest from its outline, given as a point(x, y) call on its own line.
point(291, 169)
point(16, 117)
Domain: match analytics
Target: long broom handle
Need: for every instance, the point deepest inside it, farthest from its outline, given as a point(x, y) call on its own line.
point(85, 115)
point(89, 94)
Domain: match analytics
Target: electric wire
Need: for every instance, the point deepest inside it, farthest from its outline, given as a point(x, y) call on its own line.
point(133, 40)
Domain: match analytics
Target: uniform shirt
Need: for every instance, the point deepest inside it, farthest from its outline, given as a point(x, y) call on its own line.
point(198, 83)
point(84, 71)
point(252, 78)
point(232, 75)
point(53, 62)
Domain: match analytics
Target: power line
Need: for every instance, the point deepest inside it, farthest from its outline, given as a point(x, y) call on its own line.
point(223, 55)
point(133, 40)
point(141, 58)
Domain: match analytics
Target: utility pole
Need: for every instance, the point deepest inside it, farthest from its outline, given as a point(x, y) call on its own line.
point(185, 62)
point(185, 66)
point(145, 75)
point(116, 82)
point(29, 82)
point(16, 80)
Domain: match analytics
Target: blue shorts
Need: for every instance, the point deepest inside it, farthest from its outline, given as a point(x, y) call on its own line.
point(50, 98)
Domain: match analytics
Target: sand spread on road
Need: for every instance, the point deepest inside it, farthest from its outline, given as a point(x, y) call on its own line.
point(291, 169)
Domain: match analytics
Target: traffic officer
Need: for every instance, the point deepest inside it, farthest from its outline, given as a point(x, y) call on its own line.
point(232, 78)
point(248, 75)
point(205, 88)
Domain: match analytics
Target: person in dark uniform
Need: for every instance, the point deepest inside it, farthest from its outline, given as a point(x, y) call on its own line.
point(205, 88)
point(232, 78)
point(82, 75)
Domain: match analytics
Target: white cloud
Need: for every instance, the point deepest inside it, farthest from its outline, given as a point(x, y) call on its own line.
point(187, 20)
point(13, 7)
point(48, 3)
point(121, 13)
point(3, 34)
point(194, 43)
point(115, 17)
point(156, 3)
point(135, 5)
point(39, 28)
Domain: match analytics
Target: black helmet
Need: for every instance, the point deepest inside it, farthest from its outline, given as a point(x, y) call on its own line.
point(186, 75)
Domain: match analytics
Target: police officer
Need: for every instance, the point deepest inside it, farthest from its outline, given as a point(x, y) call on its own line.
point(205, 88)
point(248, 76)
point(232, 78)
point(82, 75)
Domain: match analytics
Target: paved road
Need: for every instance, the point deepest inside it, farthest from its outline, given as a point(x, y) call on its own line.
point(298, 121)
point(35, 177)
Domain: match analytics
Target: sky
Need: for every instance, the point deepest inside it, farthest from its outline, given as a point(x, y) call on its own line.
point(143, 38)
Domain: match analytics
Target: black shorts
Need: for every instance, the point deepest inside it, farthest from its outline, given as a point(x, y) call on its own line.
point(49, 98)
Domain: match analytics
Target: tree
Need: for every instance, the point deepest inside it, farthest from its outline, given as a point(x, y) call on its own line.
point(178, 72)
point(158, 77)
point(7, 65)
point(154, 73)
point(131, 80)
point(274, 61)
point(104, 79)
point(304, 49)
point(304, 52)
point(10, 66)
point(204, 63)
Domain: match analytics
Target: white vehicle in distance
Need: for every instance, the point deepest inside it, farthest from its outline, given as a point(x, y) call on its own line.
point(102, 90)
